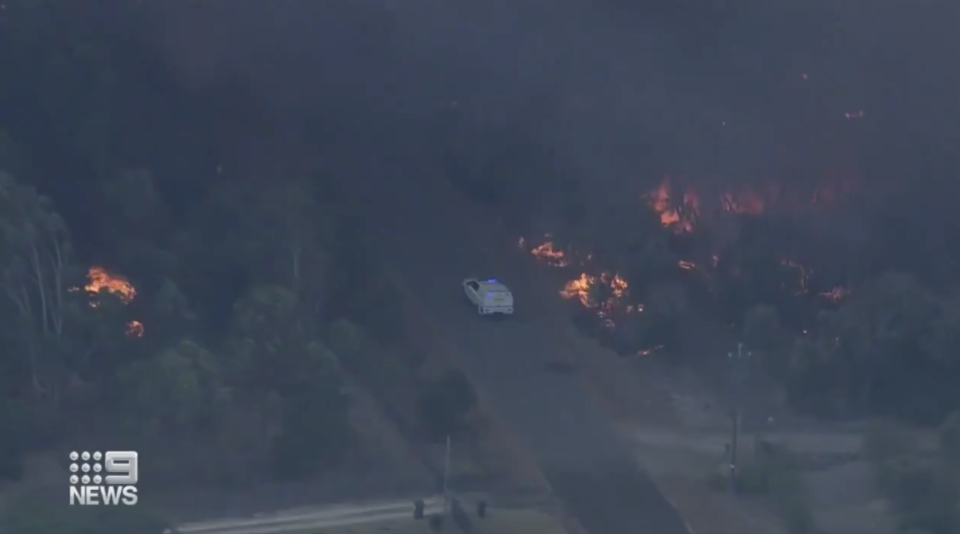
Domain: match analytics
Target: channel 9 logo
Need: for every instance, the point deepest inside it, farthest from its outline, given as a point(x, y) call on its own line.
point(108, 479)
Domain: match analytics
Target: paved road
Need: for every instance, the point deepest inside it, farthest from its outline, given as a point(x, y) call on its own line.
point(308, 519)
point(435, 244)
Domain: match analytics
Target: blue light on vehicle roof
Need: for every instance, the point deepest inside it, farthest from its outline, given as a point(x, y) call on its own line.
point(492, 281)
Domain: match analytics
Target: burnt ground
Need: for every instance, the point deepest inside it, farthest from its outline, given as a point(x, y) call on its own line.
point(433, 240)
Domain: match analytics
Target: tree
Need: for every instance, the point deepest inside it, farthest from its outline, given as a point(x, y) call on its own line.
point(176, 390)
point(276, 357)
point(136, 223)
point(249, 233)
point(873, 340)
point(283, 233)
point(37, 273)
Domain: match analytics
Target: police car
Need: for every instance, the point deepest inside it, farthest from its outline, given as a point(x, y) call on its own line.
point(489, 296)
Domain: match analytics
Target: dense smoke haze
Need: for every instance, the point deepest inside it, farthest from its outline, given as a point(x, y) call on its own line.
point(611, 96)
point(243, 228)
point(732, 92)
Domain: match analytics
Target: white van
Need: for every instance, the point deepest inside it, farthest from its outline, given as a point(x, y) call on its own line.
point(489, 296)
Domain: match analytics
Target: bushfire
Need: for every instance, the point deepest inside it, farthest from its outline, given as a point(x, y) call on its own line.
point(603, 293)
point(547, 254)
point(680, 212)
point(99, 279)
point(678, 216)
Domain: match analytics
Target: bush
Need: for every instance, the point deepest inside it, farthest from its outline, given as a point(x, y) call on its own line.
point(444, 402)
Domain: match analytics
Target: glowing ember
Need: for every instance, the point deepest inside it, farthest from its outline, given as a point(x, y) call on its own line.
point(579, 288)
point(651, 350)
point(135, 329)
point(547, 254)
point(686, 265)
point(617, 285)
point(679, 217)
point(99, 279)
point(611, 288)
point(746, 201)
point(836, 294)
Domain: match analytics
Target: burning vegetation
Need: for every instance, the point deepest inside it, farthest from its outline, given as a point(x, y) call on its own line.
point(678, 216)
point(547, 254)
point(680, 210)
point(683, 211)
point(98, 280)
point(603, 293)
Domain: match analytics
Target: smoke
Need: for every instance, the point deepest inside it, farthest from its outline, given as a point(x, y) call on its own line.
point(618, 94)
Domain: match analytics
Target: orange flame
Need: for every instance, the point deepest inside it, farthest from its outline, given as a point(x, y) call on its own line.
point(678, 217)
point(579, 288)
point(98, 278)
point(135, 329)
point(681, 213)
point(617, 284)
point(549, 255)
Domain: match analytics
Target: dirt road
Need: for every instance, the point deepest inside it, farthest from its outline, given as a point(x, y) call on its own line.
point(434, 241)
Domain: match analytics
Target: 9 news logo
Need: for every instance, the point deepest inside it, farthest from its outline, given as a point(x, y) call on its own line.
point(115, 486)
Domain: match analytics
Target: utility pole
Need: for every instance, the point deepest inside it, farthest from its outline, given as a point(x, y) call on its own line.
point(739, 365)
point(446, 479)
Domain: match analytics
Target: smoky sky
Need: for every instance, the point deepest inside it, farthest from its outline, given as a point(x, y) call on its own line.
point(618, 92)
